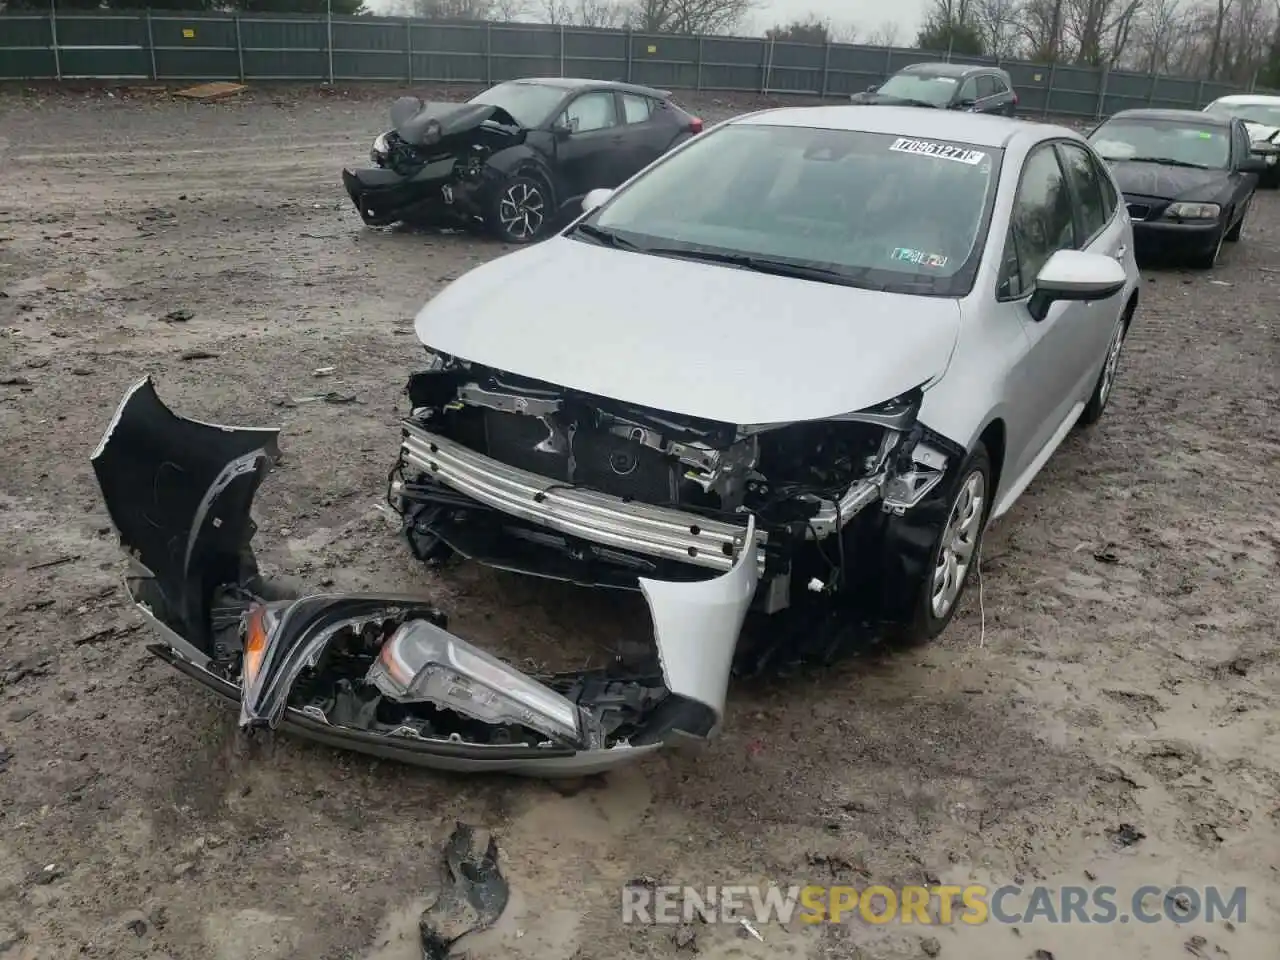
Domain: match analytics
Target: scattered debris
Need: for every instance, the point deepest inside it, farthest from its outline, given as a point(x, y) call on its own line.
point(1090, 876)
point(5, 757)
point(1125, 835)
point(931, 946)
point(211, 91)
point(197, 355)
point(332, 396)
point(107, 633)
point(14, 382)
point(1040, 955)
point(57, 562)
point(685, 938)
point(51, 872)
point(472, 895)
point(752, 931)
point(323, 371)
point(1207, 833)
point(1107, 554)
point(1195, 946)
point(177, 316)
point(1220, 283)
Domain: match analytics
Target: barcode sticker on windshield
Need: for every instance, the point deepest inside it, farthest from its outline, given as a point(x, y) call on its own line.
point(942, 151)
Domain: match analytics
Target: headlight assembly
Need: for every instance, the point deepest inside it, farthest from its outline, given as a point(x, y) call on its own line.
point(1193, 211)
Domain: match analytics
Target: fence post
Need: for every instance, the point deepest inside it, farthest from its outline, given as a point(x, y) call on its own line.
point(488, 54)
point(697, 82)
point(1151, 90)
point(826, 68)
point(53, 34)
point(888, 63)
point(562, 49)
point(766, 65)
point(329, 37)
point(1102, 91)
point(408, 48)
point(1048, 90)
point(1199, 96)
point(1253, 81)
point(151, 47)
point(239, 49)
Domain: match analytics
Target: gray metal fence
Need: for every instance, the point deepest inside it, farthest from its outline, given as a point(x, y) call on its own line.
point(174, 46)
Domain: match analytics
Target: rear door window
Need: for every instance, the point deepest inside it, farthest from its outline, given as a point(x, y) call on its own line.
point(636, 109)
point(986, 87)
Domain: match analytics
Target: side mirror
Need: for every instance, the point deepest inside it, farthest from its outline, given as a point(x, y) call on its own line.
point(595, 198)
point(873, 88)
point(965, 104)
point(1077, 276)
point(1254, 164)
point(561, 131)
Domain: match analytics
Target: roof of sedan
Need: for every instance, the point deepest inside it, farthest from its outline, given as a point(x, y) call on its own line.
point(1198, 117)
point(1249, 100)
point(574, 83)
point(979, 129)
point(943, 69)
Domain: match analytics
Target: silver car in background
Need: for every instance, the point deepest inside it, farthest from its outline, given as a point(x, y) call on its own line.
point(796, 366)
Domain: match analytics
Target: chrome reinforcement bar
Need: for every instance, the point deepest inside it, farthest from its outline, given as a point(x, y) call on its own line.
point(593, 516)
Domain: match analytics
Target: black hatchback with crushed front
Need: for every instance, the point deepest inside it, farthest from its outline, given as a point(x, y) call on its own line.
point(513, 157)
point(948, 86)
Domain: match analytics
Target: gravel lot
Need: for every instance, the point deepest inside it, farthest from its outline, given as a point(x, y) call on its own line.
point(1121, 667)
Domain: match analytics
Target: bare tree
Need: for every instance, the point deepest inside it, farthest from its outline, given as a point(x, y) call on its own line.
point(452, 9)
point(885, 35)
point(998, 22)
point(689, 16)
point(508, 11)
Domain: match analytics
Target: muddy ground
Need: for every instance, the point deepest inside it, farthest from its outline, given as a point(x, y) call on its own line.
point(1118, 666)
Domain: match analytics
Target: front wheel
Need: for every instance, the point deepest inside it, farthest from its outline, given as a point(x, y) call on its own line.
point(956, 549)
point(520, 211)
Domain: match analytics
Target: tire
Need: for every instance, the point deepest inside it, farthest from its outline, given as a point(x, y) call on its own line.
point(1103, 389)
point(968, 505)
point(1235, 233)
point(521, 211)
point(1208, 259)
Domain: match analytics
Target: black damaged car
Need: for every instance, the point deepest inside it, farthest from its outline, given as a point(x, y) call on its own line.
point(1188, 179)
point(512, 158)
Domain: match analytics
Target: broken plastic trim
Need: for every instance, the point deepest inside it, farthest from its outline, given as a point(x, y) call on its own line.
point(180, 494)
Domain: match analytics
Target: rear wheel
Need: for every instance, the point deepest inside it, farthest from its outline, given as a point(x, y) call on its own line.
point(521, 210)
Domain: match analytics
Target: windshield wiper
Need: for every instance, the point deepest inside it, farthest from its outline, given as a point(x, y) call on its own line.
point(607, 237)
point(778, 268)
point(1169, 161)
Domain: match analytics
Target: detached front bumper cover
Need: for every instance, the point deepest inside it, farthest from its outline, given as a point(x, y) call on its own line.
point(377, 673)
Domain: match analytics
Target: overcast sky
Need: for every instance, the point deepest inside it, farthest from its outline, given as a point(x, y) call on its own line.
point(865, 16)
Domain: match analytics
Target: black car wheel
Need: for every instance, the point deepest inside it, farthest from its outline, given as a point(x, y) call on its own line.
point(1092, 412)
point(521, 210)
point(1236, 232)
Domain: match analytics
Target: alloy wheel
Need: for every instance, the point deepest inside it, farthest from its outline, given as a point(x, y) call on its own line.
point(522, 210)
point(1112, 363)
point(959, 543)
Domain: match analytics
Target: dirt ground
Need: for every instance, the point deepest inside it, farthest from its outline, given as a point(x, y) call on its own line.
point(1117, 667)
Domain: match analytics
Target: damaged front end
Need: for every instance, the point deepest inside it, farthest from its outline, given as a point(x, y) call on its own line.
point(432, 166)
point(532, 477)
point(380, 674)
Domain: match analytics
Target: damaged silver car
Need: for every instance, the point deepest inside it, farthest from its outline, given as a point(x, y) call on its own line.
point(787, 374)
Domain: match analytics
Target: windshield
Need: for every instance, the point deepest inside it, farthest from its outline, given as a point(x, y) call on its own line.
point(1174, 141)
point(920, 86)
point(530, 104)
point(864, 209)
point(1268, 116)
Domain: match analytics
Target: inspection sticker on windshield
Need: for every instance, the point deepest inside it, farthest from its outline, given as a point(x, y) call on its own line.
point(919, 257)
point(942, 151)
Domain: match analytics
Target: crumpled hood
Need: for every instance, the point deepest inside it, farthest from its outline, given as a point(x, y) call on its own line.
point(1167, 183)
point(410, 117)
point(697, 339)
